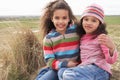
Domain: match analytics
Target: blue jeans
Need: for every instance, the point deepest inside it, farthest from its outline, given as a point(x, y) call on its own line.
point(47, 74)
point(60, 73)
point(87, 72)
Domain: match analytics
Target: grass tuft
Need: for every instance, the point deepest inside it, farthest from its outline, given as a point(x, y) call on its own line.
point(21, 55)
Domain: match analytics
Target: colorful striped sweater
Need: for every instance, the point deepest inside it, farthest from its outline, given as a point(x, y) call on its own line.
point(58, 48)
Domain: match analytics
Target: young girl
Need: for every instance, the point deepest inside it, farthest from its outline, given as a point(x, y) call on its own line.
point(61, 42)
point(96, 55)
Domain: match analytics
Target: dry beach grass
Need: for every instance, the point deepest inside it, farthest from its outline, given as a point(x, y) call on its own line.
point(20, 54)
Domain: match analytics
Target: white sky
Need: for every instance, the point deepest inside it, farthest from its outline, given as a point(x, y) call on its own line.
point(34, 7)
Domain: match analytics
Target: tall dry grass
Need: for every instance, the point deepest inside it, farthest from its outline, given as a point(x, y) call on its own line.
point(20, 53)
point(114, 33)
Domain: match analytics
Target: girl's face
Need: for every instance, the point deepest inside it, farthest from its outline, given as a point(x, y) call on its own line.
point(90, 24)
point(60, 20)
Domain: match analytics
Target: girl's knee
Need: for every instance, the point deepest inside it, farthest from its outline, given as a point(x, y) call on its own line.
point(68, 75)
point(60, 73)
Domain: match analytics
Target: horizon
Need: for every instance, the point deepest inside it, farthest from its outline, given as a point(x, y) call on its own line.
point(37, 15)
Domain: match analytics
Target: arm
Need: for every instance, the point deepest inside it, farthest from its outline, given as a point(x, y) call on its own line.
point(51, 59)
point(49, 54)
point(108, 48)
point(106, 51)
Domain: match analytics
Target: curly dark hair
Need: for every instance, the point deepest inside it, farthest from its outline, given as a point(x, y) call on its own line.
point(46, 23)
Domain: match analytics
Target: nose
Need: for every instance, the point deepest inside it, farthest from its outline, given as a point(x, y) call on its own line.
point(89, 22)
point(60, 21)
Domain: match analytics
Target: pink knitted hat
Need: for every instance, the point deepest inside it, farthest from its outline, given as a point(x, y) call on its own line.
point(94, 10)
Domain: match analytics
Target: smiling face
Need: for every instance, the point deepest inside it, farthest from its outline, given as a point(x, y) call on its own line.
point(90, 24)
point(60, 20)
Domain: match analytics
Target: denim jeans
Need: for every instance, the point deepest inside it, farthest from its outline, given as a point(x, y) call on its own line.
point(87, 72)
point(47, 74)
point(60, 73)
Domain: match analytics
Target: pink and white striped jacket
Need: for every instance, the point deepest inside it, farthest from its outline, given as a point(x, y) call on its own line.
point(94, 53)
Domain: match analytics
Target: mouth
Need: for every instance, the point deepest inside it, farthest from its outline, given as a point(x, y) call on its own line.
point(61, 26)
point(88, 27)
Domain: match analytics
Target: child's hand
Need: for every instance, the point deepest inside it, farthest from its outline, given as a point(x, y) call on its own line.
point(72, 63)
point(107, 41)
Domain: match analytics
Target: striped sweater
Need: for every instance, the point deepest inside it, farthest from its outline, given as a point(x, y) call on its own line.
point(93, 52)
point(58, 48)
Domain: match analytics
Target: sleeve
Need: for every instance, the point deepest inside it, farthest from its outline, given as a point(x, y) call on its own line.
point(49, 56)
point(47, 49)
point(110, 59)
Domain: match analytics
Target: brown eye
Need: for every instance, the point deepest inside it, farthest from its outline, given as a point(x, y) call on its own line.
point(56, 17)
point(94, 20)
point(64, 17)
point(85, 19)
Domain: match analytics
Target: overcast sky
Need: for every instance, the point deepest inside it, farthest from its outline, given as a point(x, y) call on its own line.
point(34, 7)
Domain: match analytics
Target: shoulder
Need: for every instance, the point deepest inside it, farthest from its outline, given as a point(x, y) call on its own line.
point(72, 26)
point(51, 34)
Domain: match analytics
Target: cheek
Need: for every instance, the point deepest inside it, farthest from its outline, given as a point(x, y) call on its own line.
point(83, 24)
point(67, 21)
point(95, 27)
point(97, 24)
point(54, 21)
